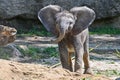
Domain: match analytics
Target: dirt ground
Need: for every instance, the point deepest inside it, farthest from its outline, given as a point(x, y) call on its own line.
point(10, 70)
point(100, 62)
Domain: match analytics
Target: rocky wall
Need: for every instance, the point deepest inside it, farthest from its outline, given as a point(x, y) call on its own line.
point(23, 13)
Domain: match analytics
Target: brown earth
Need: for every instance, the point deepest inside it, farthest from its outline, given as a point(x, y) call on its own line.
point(10, 70)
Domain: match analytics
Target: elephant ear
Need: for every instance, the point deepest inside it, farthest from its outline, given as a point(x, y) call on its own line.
point(85, 16)
point(47, 17)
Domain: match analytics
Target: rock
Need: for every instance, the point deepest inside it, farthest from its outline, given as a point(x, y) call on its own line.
point(7, 35)
point(28, 9)
point(108, 22)
point(10, 51)
point(118, 78)
point(23, 13)
point(19, 8)
point(103, 8)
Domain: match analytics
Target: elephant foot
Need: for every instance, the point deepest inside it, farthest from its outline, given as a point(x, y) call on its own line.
point(78, 72)
point(88, 71)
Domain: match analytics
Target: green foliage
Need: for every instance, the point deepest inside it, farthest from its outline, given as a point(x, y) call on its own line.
point(39, 53)
point(111, 62)
point(4, 54)
point(52, 51)
point(35, 30)
point(109, 72)
point(107, 29)
point(31, 52)
point(86, 79)
point(41, 31)
point(117, 53)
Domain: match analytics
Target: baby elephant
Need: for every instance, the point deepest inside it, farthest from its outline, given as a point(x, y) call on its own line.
point(71, 31)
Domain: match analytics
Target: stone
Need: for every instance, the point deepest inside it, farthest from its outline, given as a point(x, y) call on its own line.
point(103, 8)
point(19, 8)
point(23, 13)
point(9, 51)
point(7, 35)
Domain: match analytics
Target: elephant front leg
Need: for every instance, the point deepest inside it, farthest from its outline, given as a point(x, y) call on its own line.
point(78, 60)
point(87, 64)
point(86, 58)
point(65, 56)
point(78, 56)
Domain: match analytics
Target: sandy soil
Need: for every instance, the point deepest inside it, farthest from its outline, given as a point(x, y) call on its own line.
point(10, 70)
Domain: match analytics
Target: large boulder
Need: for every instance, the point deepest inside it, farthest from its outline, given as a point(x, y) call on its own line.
point(103, 8)
point(19, 8)
point(23, 13)
point(8, 35)
point(10, 52)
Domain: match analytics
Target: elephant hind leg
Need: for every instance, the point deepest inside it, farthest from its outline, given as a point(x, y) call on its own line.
point(70, 61)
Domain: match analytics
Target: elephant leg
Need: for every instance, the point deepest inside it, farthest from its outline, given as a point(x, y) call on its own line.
point(86, 57)
point(65, 57)
point(78, 55)
point(70, 62)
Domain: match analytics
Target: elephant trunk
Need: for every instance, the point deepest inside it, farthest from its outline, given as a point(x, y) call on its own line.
point(61, 36)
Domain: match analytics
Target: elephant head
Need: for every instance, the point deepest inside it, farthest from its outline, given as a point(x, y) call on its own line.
point(59, 21)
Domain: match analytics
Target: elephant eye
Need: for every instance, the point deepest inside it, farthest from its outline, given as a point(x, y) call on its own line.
point(70, 22)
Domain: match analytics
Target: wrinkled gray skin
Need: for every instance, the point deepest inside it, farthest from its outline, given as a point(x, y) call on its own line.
point(71, 29)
